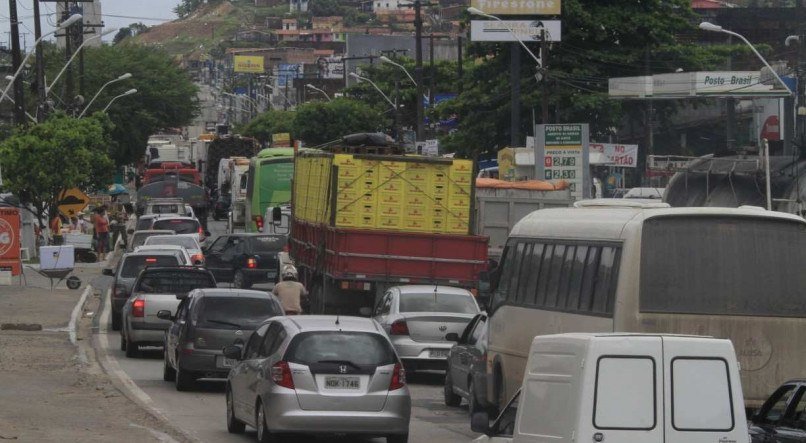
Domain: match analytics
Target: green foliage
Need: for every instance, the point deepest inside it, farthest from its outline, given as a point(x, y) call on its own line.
point(166, 97)
point(326, 8)
point(268, 123)
point(129, 31)
point(187, 7)
point(59, 153)
point(320, 122)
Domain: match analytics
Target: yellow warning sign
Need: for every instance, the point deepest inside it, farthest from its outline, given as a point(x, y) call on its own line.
point(72, 201)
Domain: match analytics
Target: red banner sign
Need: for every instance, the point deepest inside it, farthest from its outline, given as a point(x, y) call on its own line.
point(10, 240)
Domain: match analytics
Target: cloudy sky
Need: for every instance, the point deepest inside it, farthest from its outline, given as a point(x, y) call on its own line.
point(117, 13)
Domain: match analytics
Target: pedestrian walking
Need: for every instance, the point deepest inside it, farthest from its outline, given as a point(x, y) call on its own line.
point(118, 217)
point(101, 225)
point(290, 292)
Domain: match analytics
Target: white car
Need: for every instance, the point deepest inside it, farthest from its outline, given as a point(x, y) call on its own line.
point(187, 241)
point(181, 225)
point(167, 248)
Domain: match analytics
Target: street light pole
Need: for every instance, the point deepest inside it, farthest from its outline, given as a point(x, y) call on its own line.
point(122, 77)
point(310, 86)
point(418, 70)
point(75, 54)
point(129, 92)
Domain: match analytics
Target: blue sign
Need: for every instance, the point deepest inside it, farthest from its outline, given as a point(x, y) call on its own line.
point(287, 72)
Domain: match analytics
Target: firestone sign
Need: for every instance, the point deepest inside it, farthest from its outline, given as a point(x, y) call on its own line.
point(518, 7)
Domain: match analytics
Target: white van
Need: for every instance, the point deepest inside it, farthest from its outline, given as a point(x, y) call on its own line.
point(624, 388)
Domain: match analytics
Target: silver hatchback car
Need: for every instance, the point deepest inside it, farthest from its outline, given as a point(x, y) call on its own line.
point(418, 317)
point(318, 375)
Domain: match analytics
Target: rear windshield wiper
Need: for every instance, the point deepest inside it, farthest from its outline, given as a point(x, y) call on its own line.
point(222, 322)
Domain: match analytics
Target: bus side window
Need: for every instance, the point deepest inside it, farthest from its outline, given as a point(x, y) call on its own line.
point(509, 262)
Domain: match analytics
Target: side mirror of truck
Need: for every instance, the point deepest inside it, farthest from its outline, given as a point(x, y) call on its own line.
point(233, 352)
point(480, 422)
point(452, 336)
point(165, 314)
point(276, 215)
point(108, 272)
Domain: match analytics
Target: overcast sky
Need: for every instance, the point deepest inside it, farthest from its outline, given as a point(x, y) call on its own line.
point(150, 12)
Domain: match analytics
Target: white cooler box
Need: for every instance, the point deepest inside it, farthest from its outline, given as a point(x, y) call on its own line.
point(57, 257)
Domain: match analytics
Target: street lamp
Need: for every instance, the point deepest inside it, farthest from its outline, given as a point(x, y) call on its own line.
point(710, 27)
point(358, 77)
point(65, 24)
point(287, 101)
point(75, 53)
point(122, 77)
point(310, 86)
point(479, 12)
point(386, 59)
point(129, 92)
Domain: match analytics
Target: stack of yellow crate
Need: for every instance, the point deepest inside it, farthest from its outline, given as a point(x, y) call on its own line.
point(386, 194)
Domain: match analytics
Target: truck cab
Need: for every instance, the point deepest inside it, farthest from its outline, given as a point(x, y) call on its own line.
point(624, 388)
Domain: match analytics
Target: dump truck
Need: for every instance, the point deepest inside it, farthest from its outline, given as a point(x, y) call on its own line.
point(362, 223)
point(225, 147)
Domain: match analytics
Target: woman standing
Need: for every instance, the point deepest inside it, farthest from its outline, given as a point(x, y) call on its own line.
point(101, 225)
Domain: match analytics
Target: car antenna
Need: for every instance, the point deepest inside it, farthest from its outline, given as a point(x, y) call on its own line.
point(436, 286)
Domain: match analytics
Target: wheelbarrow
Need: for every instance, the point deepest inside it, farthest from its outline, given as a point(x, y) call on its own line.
point(56, 276)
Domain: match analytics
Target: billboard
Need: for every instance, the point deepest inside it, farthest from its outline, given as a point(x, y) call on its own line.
point(625, 156)
point(330, 67)
point(287, 72)
point(561, 153)
point(518, 7)
point(249, 64)
point(514, 30)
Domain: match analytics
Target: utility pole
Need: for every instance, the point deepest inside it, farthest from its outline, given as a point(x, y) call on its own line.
point(730, 107)
point(459, 72)
point(41, 111)
point(16, 60)
point(515, 99)
point(544, 58)
point(68, 52)
point(418, 70)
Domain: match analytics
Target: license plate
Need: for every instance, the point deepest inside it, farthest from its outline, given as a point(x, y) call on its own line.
point(438, 353)
point(342, 383)
point(271, 275)
point(224, 362)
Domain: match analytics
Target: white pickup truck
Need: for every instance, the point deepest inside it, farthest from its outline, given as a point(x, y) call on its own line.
point(624, 388)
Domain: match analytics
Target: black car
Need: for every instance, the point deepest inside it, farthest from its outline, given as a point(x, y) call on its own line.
point(221, 207)
point(245, 259)
point(782, 418)
point(466, 375)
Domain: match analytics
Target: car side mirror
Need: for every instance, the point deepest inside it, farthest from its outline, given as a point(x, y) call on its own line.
point(165, 314)
point(366, 311)
point(480, 422)
point(108, 271)
point(452, 336)
point(233, 352)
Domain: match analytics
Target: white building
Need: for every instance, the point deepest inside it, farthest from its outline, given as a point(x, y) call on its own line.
point(91, 17)
point(386, 5)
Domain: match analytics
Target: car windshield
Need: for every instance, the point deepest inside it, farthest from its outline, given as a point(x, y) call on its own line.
point(178, 225)
point(134, 264)
point(236, 312)
point(359, 348)
point(266, 243)
point(176, 240)
point(437, 302)
point(177, 281)
point(139, 238)
point(143, 223)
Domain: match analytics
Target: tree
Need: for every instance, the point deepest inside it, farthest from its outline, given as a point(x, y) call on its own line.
point(268, 123)
point(166, 97)
point(321, 122)
point(129, 31)
point(326, 8)
point(187, 7)
point(60, 153)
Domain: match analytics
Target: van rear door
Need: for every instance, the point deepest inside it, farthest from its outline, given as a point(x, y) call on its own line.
point(705, 401)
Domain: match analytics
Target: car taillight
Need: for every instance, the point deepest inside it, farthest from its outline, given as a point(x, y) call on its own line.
point(281, 375)
point(398, 377)
point(138, 307)
point(251, 263)
point(201, 232)
point(399, 327)
point(258, 221)
point(197, 258)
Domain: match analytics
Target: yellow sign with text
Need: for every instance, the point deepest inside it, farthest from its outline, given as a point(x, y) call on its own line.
point(249, 64)
point(518, 7)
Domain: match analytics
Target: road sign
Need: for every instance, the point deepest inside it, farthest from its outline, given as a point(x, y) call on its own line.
point(513, 30)
point(518, 7)
point(72, 201)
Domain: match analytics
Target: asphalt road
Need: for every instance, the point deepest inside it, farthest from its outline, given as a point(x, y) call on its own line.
point(202, 413)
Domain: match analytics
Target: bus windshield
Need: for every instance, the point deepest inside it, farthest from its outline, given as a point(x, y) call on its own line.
point(723, 266)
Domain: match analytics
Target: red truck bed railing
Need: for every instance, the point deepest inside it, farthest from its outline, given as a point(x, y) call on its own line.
point(392, 256)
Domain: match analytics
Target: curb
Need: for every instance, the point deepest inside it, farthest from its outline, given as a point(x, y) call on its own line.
point(77, 310)
point(123, 382)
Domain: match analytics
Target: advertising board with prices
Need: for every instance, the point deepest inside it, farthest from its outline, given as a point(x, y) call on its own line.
point(561, 153)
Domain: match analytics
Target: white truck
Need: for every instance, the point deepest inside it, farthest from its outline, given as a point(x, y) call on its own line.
point(499, 208)
point(238, 168)
point(624, 388)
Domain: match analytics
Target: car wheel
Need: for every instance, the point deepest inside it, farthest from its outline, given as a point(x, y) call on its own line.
point(168, 372)
point(183, 380)
point(263, 434)
point(240, 281)
point(234, 426)
point(451, 398)
point(132, 351)
point(116, 321)
point(473, 403)
point(398, 438)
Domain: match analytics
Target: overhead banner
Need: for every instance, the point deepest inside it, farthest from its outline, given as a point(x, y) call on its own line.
point(624, 156)
point(562, 153)
point(248, 64)
point(515, 30)
point(518, 7)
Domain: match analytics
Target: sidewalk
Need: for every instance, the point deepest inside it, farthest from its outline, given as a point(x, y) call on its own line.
point(50, 389)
